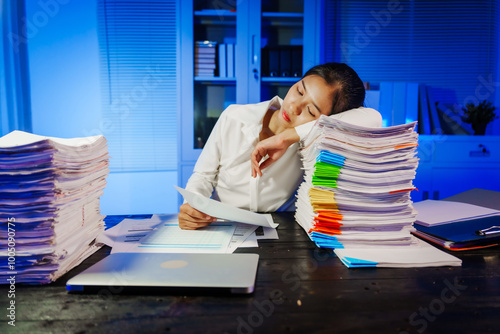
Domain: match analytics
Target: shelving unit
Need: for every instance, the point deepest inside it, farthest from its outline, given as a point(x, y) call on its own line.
point(250, 26)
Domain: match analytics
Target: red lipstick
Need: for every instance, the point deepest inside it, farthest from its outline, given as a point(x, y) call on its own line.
point(285, 116)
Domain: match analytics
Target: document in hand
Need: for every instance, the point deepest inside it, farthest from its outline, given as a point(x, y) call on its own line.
point(357, 184)
point(225, 211)
point(49, 203)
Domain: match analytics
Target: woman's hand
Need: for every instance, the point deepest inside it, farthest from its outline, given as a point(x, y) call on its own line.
point(274, 147)
point(192, 219)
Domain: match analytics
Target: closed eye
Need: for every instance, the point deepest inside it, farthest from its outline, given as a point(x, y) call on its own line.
point(298, 90)
point(310, 112)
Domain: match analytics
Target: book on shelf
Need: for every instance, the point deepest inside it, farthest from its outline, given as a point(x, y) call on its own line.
point(205, 66)
point(222, 60)
point(206, 58)
point(204, 50)
point(214, 59)
point(204, 73)
point(205, 44)
point(230, 60)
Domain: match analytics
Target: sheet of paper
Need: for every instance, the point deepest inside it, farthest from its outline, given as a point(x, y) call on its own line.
point(242, 233)
point(266, 233)
point(225, 211)
point(250, 242)
point(128, 229)
point(419, 254)
point(170, 238)
point(431, 213)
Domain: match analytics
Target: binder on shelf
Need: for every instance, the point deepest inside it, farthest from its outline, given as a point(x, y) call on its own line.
point(424, 122)
point(285, 61)
point(399, 103)
point(411, 102)
point(281, 61)
point(230, 60)
point(264, 62)
point(297, 61)
point(386, 95)
point(222, 61)
point(274, 62)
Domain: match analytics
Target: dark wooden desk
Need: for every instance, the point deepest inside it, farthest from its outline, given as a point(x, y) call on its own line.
point(299, 289)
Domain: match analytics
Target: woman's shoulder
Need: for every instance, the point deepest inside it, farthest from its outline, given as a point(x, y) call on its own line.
point(247, 112)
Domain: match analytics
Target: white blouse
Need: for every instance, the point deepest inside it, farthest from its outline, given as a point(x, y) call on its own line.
point(224, 164)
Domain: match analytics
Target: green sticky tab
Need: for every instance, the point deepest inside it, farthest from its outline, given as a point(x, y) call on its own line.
point(319, 181)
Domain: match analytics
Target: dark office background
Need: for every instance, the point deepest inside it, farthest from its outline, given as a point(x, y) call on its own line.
point(52, 82)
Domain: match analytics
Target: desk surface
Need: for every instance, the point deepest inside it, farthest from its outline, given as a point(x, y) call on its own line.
point(299, 289)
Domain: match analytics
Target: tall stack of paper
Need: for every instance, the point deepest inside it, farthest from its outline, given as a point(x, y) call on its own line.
point(357, 184)
point(49, 204)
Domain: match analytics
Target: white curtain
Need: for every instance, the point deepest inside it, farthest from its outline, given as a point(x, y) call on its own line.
point(15, 108)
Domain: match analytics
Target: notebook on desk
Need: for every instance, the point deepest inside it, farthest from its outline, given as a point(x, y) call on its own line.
point(169, 273)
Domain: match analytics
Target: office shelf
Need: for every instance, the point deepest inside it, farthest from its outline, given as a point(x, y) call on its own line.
point(250, 26)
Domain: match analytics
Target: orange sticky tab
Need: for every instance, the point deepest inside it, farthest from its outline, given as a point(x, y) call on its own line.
point(403, 146)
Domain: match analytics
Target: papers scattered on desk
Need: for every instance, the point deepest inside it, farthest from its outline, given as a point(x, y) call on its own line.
point(432, 213)
point(161, 234)
point(356, 189)
point(50, 189)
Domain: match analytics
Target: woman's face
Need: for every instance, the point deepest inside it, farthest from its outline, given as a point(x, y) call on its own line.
point(306, 101)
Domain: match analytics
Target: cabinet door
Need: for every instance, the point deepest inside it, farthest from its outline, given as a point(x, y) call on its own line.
point(249, 26)
point(248, 72)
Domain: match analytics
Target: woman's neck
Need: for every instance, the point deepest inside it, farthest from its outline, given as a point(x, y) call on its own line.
point(269, 124)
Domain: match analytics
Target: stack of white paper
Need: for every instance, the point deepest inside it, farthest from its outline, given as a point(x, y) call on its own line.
point(356, 189)
point(355, 197)
point(357, 183)
point(49, 204)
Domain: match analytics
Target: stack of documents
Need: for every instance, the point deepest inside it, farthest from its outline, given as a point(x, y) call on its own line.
point(357, 184)
point(49, 204)
point(457, 226)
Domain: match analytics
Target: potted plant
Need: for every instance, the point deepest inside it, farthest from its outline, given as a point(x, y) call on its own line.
point(479, 116)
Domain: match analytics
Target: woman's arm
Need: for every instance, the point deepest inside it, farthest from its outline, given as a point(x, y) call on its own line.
point(275, 147)
point(203, 179)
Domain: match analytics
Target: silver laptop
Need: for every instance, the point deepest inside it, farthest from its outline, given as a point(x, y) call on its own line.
point(170, 273)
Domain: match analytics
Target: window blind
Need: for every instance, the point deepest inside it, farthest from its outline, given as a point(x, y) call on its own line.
point(448, 45)
point(138, 46)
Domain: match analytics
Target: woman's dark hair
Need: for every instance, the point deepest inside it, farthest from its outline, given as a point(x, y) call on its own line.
point(349, 92)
